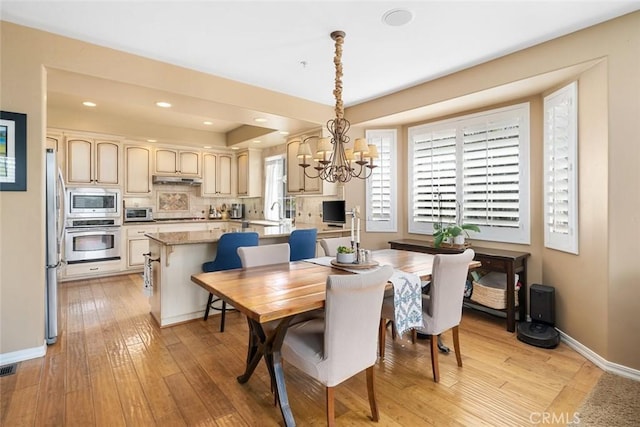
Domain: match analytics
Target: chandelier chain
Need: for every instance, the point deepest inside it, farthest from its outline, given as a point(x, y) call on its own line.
point(337, 60)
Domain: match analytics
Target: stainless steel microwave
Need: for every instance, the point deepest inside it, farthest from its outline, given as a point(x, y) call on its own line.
point(138, 214)
point(93, 202)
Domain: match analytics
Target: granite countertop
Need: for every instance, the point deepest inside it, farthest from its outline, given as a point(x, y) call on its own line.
point(193, 237)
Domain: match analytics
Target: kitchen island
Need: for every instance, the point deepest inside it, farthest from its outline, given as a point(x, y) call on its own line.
point(176, 256)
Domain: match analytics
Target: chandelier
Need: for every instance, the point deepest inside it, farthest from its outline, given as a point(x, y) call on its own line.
point(335, 162)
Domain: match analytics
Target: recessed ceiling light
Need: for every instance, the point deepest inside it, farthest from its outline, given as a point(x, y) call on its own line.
point(235, 148)
point(207, 146)
point(259, 120)
point(256, 141)
point(163, 104)
point(208, 123)
point(397, 17)
point(284, 132)
point(152, 140)
point(89, 104)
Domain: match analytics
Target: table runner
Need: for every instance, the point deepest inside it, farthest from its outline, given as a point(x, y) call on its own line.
point(407, 294)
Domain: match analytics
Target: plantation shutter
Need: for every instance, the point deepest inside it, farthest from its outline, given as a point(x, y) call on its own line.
point(472, 169)
point(434, 176)
point(560, 171)
point(381, 185)
point(491, 173)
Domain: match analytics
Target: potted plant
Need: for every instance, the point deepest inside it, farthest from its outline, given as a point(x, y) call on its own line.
point(345, 255)
point(453, 233)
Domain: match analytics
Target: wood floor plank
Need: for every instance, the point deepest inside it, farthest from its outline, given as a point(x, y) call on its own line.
point(211, 395)
point(20, 411)
point(79, 408)
point(113, 365)
point(107, 407)
point(191, 407)
point(51, 396)
point(161, 402)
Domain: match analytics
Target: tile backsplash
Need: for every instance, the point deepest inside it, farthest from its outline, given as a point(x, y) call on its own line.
point(179, 201)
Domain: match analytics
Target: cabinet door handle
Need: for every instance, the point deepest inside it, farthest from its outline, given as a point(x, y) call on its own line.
point(94, 269)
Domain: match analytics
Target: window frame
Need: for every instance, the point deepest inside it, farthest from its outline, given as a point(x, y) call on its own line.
point(565, 242)
point(390, 226)
point(521, 111)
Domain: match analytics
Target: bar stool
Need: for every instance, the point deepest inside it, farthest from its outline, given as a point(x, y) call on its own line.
point(303, 243)
point(226, 259)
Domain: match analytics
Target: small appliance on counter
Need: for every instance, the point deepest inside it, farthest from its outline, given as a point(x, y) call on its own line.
point(237, 211)
point(138, 214)
point(213, 213)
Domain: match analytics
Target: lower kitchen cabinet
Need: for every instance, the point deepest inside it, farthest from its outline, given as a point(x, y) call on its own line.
point(89, 269)
point(137, 244)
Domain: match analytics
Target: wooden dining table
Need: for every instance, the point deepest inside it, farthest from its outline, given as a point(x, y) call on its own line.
point(271, 297)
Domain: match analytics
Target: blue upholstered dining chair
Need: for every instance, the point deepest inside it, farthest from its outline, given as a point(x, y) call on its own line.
point(303, 243)
point(226, 259)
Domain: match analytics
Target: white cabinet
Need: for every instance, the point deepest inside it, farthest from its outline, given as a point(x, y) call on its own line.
point(137, 244)
point(91, 269)
point(54, 140)
point(297, 181)
point(249, 173)
point(216, 174)
point(177, 162)
point(92, 161)
point(182, 227)
point(137, 161)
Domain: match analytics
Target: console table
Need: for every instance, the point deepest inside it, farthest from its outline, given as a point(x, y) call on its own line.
point(509, 262)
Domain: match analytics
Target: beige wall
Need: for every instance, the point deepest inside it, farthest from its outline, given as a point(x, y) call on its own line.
point(597, 291)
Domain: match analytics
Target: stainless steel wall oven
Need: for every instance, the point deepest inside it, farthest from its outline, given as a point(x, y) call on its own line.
point(93, 225)
point(91, 240)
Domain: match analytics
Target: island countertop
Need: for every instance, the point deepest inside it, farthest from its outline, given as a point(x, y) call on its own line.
point(211, 236)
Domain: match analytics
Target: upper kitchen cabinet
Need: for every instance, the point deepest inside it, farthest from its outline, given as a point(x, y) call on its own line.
point(177, 162)
point(55, 139)
point(216, 174)
point(297, 182)
point(249, 173)
point(137, 164)
point(92, 161)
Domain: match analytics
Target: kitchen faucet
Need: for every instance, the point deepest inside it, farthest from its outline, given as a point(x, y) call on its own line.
point(279, 209)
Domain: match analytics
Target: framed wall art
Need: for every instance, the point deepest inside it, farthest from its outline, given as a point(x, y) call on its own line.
point(13, 151)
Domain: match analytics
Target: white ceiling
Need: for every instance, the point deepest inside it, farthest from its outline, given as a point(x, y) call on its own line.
point(265, 43)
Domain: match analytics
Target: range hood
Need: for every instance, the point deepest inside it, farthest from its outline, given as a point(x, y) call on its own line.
point(176, 180)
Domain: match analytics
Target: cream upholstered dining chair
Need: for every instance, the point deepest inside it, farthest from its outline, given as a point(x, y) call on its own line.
point(343, 343)
point(330, 246)
point(442, 308)
point(255, 256)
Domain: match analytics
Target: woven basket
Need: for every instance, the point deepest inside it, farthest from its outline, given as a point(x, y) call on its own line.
point(493, 295)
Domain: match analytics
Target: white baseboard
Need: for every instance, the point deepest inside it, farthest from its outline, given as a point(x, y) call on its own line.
point(21, 355)
point(598, 360)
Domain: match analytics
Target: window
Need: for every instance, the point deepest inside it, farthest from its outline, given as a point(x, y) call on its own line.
point(560, 169)
point(474, 169)
point(381, 197)
point(274, 188)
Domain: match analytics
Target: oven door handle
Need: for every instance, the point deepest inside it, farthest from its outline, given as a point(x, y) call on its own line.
point(92, 230)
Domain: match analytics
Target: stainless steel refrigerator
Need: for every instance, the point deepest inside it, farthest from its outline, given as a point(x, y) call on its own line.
point(54, 229)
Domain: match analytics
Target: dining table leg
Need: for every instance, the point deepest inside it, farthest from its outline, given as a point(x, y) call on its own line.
point(268, 345)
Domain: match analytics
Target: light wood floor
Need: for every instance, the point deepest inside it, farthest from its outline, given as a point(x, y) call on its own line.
point(113, 366)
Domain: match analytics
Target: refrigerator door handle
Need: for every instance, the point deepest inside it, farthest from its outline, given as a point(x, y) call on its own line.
point(63, 209)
